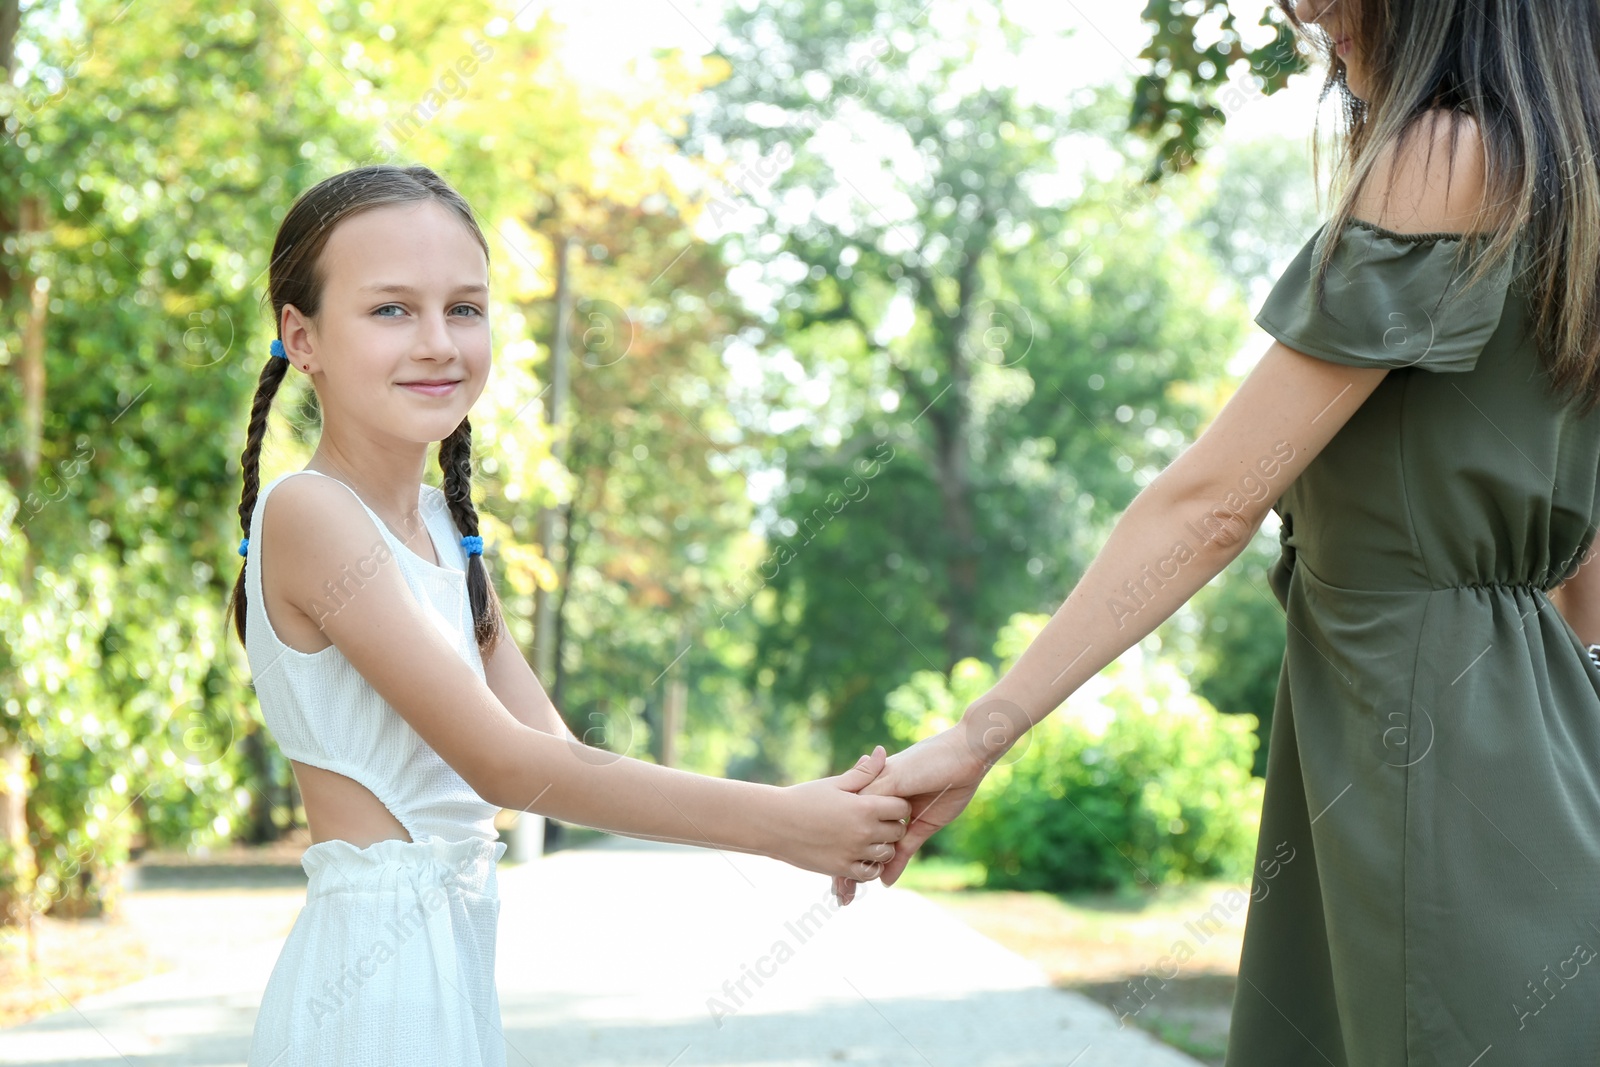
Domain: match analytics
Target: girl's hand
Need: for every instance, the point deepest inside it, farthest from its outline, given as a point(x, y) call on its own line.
point(830, 829)
point(938, 775)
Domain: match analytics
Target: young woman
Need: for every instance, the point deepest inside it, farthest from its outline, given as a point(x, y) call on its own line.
point(1426, 421)
point(385, 671)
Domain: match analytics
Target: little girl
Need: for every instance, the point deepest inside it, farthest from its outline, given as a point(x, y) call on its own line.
point(387, 675)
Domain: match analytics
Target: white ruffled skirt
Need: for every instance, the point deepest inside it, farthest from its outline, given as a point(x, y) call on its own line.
point(391, 961)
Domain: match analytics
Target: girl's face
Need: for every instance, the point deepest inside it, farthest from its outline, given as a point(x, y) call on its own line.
point(1335, 18)
point(401, 342)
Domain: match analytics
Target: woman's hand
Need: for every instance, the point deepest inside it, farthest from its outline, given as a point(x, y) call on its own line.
point(828, 828)
point(938, 775)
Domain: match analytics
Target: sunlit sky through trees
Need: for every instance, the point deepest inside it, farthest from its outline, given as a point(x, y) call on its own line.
point(1076, 43)
point(1071, 45)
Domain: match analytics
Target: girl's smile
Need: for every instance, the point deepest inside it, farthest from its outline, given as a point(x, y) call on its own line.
point(433, 387)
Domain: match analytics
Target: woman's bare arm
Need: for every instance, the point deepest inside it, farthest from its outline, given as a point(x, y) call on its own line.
point(1578, 598)
point(1186, 525)
point(1180, 532)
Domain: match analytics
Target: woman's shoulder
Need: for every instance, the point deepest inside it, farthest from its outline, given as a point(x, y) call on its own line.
point(1432, 180)
point(1392, 294)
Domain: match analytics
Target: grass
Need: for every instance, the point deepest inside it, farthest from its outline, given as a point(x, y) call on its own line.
point(72, 958)
point(1121, 949)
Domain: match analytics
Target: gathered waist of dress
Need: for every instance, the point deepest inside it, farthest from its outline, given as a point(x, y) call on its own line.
point(339, 866)
point(1389, 585)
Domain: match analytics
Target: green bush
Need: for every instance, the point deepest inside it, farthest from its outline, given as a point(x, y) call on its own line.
point(117, 698)
point(1135, 780)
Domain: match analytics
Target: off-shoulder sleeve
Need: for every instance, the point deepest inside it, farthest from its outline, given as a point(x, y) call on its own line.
point(1392, 300)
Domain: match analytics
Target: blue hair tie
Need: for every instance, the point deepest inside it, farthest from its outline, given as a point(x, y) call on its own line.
point(277, 349)
point(244, 546)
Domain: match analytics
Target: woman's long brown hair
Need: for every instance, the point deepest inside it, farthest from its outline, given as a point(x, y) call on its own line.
point(1528, 74)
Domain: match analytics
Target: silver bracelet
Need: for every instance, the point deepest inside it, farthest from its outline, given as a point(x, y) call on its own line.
point(1594, 654)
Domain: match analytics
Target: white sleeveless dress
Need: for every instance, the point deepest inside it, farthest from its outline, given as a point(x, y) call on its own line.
point(391, 961)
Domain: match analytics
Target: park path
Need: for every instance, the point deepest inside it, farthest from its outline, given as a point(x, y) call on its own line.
point(632, 954)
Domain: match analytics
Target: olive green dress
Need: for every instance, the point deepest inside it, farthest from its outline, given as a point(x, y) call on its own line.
point(1427, 888)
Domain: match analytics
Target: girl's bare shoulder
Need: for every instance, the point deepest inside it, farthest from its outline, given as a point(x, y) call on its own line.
point(317, 528)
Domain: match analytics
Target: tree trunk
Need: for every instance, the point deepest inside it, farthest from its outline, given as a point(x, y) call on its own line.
point(951, 418)
point(674, 705)
point(262, 829)
point(10, 22)
point(955, 490)
point(545, 640)
point(17, 882)
point(569, 560)
point(37, 293)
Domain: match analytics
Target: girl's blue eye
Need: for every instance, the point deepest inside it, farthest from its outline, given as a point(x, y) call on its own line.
point(379, 311)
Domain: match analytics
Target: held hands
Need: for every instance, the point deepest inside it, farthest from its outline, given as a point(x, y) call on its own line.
point(833, 830)
point(939, 776)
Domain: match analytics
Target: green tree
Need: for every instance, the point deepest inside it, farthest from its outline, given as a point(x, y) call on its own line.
point(121, 691)
point(1198, 68)
point(1006, 335)
point(657, 500)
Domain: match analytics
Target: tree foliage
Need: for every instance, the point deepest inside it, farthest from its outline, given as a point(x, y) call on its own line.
point(1010, 329)
point(1198, 68)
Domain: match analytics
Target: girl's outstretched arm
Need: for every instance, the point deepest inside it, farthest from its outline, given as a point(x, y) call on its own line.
point(377, 624)
point(515, 685)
